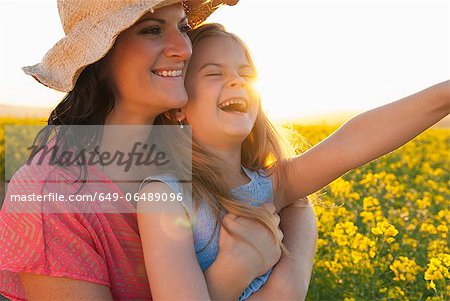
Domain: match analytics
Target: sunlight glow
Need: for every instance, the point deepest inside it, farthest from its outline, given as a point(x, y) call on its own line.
point(312, 56)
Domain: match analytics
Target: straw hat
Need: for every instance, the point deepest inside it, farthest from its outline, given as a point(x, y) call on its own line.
point(91, 27)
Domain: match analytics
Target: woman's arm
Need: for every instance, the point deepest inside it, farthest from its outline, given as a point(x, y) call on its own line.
point(170, 260)
point(238, 263)
point(290, 277)
point(42, 287)
point(363, 139)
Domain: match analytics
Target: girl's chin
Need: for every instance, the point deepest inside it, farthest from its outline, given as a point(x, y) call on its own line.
point(238, 135)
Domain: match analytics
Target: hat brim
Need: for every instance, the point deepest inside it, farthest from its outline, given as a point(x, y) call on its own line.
point(64, 62)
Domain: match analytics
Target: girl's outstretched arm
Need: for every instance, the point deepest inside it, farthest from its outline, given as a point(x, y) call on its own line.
point(363, 139)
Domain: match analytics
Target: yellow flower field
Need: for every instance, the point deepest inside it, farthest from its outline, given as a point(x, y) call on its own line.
point(383, 228)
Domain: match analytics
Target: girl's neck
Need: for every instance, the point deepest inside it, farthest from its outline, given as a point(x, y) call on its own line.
point(232, 172)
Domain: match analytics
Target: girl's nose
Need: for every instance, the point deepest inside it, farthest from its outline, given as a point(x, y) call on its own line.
point(237, 81)
point(179, 46)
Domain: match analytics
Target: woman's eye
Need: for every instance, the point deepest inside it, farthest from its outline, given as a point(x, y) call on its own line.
point(185, 28)
point(152, 30)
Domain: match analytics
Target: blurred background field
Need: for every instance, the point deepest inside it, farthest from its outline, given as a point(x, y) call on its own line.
point(383, 228)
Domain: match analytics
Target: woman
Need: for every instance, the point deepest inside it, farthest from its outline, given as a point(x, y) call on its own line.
point(94, 255)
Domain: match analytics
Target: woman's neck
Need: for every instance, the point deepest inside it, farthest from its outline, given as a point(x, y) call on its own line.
point(124, 117)
point(125, 138)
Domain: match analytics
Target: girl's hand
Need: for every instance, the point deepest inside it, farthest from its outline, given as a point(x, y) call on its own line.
point(247, 251)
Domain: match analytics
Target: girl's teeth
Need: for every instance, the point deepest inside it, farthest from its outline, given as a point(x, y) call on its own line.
point(229, 102)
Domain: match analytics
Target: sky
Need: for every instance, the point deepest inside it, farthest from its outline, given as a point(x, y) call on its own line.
point(313, 57)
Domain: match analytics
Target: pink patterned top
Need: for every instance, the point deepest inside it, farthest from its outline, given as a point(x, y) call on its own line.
point(102, 248)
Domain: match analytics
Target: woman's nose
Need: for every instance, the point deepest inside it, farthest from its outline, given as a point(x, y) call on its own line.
point(179, 46)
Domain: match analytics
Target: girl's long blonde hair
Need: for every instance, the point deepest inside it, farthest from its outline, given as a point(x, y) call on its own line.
point(263, 149)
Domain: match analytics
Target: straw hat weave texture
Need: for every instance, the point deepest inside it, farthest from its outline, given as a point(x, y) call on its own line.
point(91, 27)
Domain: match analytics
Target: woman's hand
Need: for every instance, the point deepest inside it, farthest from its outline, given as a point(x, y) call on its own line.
point(247, 251)
point(262, 254)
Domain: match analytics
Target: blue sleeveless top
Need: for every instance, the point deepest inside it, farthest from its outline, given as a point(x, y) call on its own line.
point(256, 192)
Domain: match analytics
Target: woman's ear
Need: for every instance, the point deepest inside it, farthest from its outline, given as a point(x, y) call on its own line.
point(175, 115)
point(180, 115)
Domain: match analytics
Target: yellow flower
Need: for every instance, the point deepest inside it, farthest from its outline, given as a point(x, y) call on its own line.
point(423, 203)
point(386, 230)
point(390, 240)
point(438, 269)
point(437, 246)
point(343, 233)
point(443, 230)
point(428, 228)
point(396, 293)
point(432, 285)
point(405, 269)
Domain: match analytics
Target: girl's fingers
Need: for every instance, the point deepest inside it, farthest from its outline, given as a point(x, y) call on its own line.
point(270, 207)
point(280, 234)
point(272, 210)
point(230, 221)
point(233, 216)
point(230, 217)
point(277, 219)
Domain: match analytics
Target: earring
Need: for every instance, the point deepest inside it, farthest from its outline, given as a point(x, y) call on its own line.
point(180, 122)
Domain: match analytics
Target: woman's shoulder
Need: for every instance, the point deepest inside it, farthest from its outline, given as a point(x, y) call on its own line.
point(39, 166)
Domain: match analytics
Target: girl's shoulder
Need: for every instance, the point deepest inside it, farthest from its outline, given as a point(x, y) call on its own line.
point(260, 176)
point(176, 192)
point(168, 179)
point(259, 188)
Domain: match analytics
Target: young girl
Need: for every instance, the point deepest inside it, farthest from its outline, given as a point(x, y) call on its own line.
point(238, 163)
